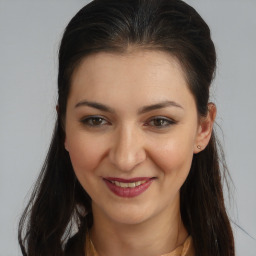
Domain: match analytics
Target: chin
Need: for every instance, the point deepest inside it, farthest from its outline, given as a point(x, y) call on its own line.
point(130, 219)
point(131, 214)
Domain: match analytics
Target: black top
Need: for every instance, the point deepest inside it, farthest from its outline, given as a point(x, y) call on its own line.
point(75, 246)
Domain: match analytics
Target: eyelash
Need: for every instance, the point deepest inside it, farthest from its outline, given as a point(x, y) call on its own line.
point(88, 122)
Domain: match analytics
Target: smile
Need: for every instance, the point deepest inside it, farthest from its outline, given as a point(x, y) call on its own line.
point(128, 185)
point(128, 188)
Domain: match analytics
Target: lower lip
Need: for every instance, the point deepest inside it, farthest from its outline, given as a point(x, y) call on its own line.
point(128, 192)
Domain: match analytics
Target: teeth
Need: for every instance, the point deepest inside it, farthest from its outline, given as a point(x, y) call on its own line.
point(132, 185)
point(128, 185)
point(124, 185)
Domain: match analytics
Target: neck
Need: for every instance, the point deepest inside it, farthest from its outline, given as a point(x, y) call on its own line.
point(159, 235)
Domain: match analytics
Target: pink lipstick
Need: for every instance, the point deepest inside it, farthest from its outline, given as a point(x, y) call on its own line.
point(128, 187)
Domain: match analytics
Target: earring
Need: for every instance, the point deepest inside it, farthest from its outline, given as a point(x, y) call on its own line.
point(199, 147)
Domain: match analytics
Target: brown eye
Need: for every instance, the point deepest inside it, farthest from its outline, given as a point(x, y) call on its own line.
point(94, 121)
point(160, 122)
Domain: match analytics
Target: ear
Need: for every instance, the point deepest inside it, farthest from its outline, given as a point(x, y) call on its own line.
point(205, 129)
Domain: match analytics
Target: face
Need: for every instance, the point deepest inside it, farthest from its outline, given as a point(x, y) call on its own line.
point(131, 131)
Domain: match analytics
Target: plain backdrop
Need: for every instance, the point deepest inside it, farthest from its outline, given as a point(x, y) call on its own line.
point(30, 32)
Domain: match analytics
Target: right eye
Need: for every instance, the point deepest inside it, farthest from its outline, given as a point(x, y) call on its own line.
point(94, 121)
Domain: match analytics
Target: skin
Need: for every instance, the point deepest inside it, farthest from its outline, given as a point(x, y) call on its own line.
point(127, 144)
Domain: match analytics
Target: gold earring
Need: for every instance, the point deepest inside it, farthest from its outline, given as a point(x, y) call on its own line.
point(199, 147)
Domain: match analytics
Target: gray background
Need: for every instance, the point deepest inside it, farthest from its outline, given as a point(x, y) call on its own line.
point(30, 32)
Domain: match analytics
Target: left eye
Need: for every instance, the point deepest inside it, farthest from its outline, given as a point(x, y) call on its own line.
point(160, 122)
point(94, 121)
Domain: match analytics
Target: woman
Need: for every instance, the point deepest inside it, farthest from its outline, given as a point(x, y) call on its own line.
point(133, 167)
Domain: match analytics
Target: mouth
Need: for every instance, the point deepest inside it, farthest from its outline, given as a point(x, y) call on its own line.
point(128, 187)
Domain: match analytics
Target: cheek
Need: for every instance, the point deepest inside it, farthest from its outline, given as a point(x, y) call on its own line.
point(174, 155)
point(85, 154)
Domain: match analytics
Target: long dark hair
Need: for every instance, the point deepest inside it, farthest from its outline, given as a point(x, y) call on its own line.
point(59, 206)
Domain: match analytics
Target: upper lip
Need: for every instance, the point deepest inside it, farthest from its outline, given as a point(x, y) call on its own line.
point(128, 180)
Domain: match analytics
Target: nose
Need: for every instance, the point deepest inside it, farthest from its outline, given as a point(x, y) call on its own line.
point(127, 150)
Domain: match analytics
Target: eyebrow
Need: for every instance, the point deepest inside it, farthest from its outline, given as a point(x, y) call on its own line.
point(141, 110)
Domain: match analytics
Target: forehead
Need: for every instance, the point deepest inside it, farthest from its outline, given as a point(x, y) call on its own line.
point(148, 62)
point(144, 76)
